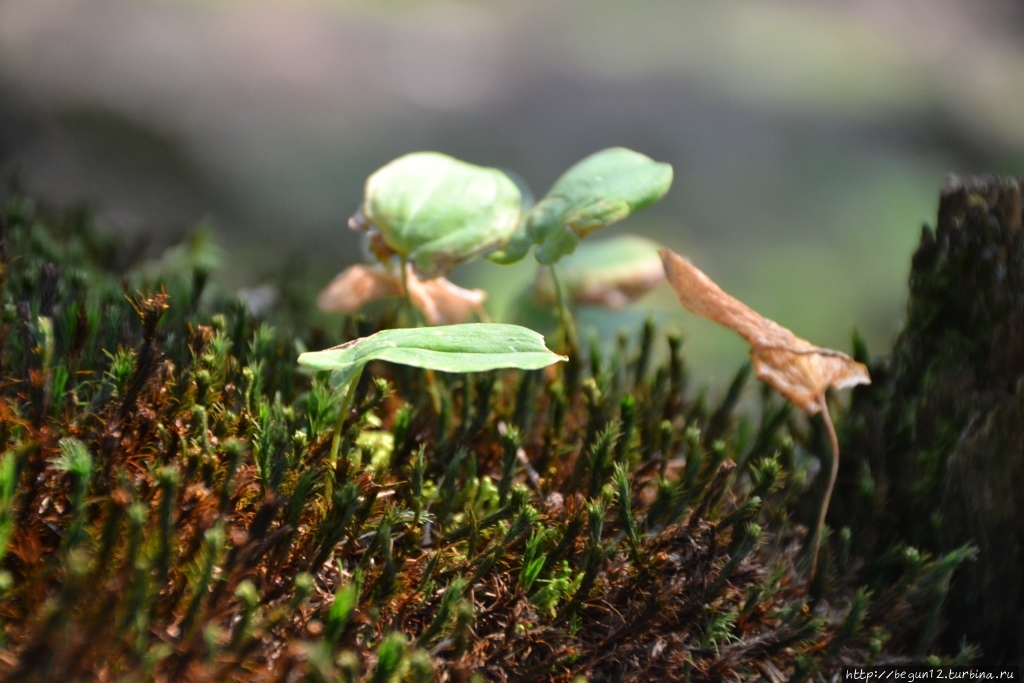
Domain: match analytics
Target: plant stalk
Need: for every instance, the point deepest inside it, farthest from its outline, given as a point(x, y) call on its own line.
point(565, 319)
point(407, 298)
point(346, 403)
point(831, 429)
point(418, 320)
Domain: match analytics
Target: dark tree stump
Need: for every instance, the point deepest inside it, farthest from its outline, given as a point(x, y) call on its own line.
point(935, 454)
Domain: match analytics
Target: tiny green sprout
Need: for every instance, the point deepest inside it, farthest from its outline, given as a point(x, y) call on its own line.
point(434, 211)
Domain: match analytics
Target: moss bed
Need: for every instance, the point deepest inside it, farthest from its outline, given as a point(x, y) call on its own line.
point(167, 510)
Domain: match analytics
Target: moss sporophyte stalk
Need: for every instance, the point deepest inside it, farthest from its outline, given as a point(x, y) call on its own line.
point(181, 500)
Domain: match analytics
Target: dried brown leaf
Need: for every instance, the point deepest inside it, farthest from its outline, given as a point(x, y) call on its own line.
point(355, 287)
point(441, 301)
point(797, 369)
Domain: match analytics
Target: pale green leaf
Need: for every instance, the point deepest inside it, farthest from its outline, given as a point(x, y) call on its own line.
point(473, 347)
point(603, 188)
point(607, 272)
point(434, 211)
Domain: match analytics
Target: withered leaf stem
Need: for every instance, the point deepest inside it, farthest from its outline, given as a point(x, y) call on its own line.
point(797, 369)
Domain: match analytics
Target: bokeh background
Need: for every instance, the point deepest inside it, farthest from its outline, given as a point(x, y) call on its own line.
point(809, 139)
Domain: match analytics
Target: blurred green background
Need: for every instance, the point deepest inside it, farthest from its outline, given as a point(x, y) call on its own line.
point(809, 139)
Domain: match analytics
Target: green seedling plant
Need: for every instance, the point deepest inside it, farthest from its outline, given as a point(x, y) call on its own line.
point(426, 212)
point(430, 211)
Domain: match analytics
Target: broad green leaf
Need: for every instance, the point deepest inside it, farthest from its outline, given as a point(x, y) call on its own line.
point(434, 210)
point(603, 188)
point(473, 347)
point(609, 272)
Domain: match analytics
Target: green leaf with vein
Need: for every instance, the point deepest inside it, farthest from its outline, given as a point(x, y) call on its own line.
point(602, 189)
point(473, 347)
point(435, 211)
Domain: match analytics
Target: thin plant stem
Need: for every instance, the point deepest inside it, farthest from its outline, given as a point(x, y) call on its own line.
point(433, 388)
point(831, 429)
point(565, 320)
point(418, 320)
point(414, 316)
point(346, 403)
point(481, 314)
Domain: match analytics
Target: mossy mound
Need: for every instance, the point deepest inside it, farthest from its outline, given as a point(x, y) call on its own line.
point(936, 444)
point(168, 510)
